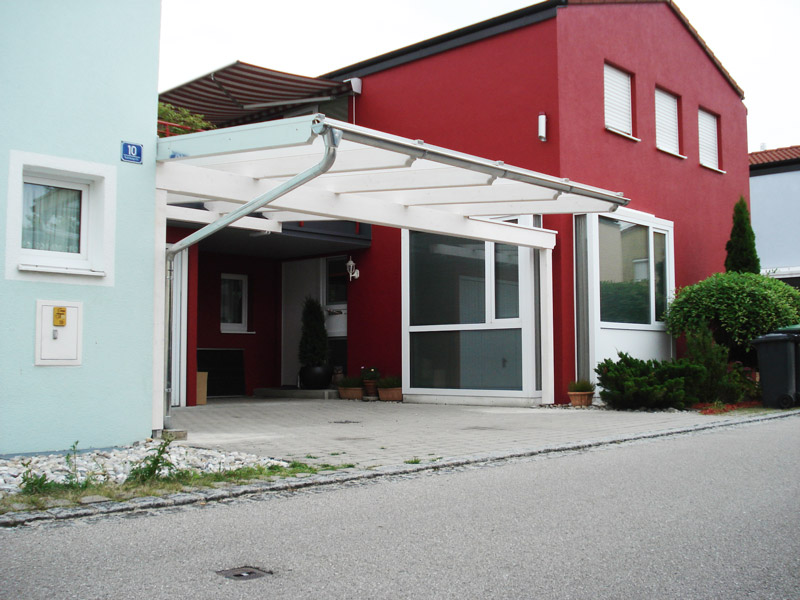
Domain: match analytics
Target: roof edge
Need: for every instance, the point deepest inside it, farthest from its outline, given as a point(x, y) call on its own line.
point(501, 24)
point(460, 37)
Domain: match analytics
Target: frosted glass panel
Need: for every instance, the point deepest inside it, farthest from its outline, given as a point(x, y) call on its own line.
point(476, 360)
point(447, 280)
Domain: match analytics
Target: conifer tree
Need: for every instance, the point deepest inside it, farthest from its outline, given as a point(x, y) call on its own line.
point(741, 247)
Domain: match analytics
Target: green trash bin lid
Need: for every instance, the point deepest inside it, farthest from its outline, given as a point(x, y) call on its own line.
point(789, 329)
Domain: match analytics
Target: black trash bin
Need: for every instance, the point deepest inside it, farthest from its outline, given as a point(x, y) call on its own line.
point(778, 369)
point(795, 331)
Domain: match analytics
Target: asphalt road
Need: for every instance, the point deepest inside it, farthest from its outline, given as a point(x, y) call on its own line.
point(707, 515)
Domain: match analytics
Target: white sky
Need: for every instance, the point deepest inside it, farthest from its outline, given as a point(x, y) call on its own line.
point(754, 39)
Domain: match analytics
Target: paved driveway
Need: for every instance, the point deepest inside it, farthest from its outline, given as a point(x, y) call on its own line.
point(378, 433)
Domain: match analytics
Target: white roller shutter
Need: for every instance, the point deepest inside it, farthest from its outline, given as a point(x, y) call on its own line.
point(707, 128)
point(667, 122)
point(618, 100)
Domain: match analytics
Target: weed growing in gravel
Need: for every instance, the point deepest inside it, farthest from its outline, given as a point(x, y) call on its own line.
point(413, 461)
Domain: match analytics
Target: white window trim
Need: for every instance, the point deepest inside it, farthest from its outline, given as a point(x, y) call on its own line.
point(96, 266)
point(524, 322)
point(236, 327)
point(618, 101)
point(655, 225)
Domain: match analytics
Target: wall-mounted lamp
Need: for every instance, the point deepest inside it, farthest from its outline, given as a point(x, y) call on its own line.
point(542, 127)
point(351, 269)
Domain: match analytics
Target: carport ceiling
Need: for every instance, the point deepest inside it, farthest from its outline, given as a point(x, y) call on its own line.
point(376, 178)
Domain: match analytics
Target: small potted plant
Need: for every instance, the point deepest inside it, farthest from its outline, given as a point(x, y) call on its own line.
point(315, 372)
point(390, 389)
point(350, 388)
point(369, 378)
point(581, 392)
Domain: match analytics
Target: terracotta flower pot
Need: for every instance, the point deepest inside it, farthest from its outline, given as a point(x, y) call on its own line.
point(370, 387)
point(390, 394)
point(350, 393)
point(580, 398)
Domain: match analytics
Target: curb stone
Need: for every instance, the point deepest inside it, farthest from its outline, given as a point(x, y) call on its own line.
point(15, 519)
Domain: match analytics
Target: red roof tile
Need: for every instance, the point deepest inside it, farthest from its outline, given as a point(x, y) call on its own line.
point(763, 157)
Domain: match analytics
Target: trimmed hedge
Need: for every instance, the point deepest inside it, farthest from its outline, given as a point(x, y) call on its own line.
point(737, 307)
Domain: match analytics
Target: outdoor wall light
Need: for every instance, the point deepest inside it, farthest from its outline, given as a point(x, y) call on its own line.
point(542, 127)
point(351, 269)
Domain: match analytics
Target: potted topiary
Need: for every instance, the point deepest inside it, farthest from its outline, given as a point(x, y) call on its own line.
point(350, 388)
point(580, 392)
point(390, 389)
point(315, 372)
point(369, 378)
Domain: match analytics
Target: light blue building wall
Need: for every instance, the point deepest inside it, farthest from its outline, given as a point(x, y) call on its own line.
point(775, 216)
point(79, 78)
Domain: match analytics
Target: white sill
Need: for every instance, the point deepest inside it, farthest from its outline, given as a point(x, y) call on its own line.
point(238, 332)
point(66, 270)
point(715, 169)
point(671, 153)
point(657, 326)
point(623, 134)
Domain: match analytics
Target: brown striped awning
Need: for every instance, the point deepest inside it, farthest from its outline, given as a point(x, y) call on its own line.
point(242, 93)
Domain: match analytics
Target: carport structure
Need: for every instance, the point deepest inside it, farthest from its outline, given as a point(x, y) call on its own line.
point(260, 176)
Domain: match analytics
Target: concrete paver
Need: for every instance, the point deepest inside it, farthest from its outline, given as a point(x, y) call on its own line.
point(370, 434)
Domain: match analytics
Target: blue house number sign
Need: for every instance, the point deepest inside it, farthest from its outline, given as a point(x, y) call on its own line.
point(131, 153)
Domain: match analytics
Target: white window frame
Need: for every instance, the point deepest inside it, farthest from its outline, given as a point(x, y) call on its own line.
point(618, 101)
point(668, 137)
point(524, 322)
point(94, 264)
point(654, 225)
point(708, 140)
point(240, 327)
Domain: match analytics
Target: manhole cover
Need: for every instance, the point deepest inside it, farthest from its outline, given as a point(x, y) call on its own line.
point(345, 422)
point(244, 573)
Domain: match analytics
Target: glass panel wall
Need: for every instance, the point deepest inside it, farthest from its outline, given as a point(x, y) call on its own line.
point(447, 280)
point(488, 359)
point(624, 272)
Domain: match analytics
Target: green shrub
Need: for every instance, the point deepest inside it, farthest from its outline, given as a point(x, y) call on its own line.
point(721, 381)
point(390, 382)
point(313, 350)
point(736, 307)
point(631, 383)
point(741, 247)
point(582, 385)
point(350, 382)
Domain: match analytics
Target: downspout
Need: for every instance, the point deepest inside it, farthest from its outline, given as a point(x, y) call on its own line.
point(331, 138)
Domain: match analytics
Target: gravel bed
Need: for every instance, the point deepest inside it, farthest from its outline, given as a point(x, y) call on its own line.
point(115, 464)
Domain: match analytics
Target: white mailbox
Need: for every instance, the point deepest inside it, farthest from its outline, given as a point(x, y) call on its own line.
point(59, 327)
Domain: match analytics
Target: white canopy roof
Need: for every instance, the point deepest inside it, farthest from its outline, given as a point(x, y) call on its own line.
point(375, 178)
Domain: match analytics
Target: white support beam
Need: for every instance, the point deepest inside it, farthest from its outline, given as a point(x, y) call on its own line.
point(204, 217)
point(411, 179)
point(211, 184)
point(416, 218)
point(547, 331)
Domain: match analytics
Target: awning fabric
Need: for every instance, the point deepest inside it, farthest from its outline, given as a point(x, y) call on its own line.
point(376, 178)
point(241, 90)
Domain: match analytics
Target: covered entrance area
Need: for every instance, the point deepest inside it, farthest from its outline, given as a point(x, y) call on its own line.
point(272, 179)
